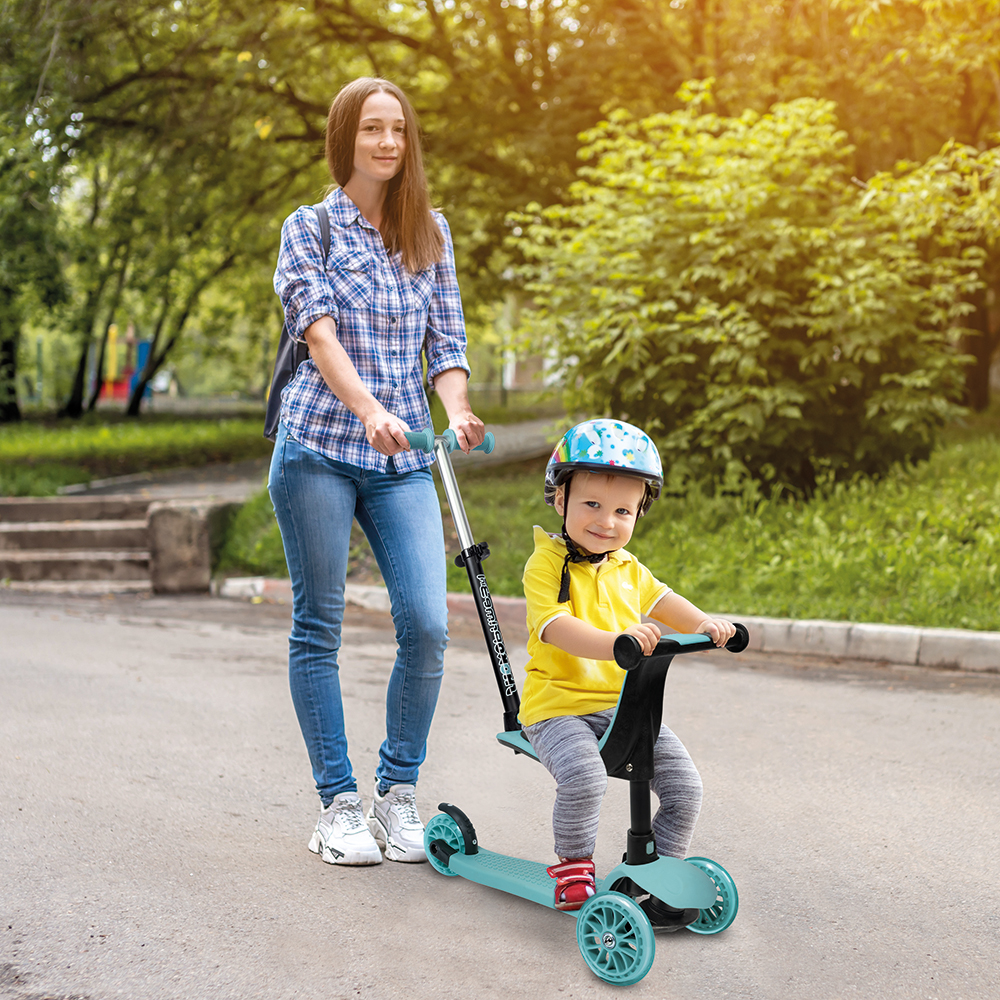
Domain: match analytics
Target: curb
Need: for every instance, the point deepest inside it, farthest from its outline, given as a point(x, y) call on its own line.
point(955, 649)
point(948, 648)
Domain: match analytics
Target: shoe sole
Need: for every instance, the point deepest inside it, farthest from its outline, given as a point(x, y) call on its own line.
point(334, 857)
point(393, 851)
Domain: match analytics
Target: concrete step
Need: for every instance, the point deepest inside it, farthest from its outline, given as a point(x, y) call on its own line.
point(103, 534)
point(74, 564)
point(80, 588)
point(97, 508)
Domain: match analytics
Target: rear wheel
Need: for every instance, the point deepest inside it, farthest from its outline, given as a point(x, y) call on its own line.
point(722, 912)
point(443, 827)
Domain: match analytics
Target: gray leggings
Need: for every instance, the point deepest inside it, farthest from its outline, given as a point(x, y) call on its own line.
point(567, 746)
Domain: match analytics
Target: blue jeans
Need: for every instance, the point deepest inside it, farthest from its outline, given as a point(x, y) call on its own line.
point(315, 501)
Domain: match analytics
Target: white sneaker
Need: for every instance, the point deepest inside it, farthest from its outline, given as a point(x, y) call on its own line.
point(395, 825)
point(341, 837)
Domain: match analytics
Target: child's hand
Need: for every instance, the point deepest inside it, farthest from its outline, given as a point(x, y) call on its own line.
point(719, 629)
point(648, 635)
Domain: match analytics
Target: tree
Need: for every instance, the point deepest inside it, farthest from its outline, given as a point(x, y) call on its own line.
point(29, 264)
point(716, 280)
point(950, 207)
point(228, 100)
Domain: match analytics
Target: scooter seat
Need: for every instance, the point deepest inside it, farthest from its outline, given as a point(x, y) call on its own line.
point(517, 742)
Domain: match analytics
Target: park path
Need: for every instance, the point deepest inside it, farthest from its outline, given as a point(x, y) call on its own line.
point(155, 804)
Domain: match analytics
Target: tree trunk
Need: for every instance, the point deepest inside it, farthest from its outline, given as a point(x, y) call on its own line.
point(73, 407)
point(10, 329)
point(980, 345)
point(95, 393)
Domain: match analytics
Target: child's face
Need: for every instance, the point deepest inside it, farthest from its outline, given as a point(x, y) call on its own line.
point(602, 510)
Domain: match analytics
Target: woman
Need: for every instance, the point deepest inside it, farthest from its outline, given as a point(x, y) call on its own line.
point(385, 295)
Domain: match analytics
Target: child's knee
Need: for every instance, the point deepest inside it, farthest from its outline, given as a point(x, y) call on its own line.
point(585, 784)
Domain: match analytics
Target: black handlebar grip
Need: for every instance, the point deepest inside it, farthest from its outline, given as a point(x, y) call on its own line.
point(628, 652)
point(740, 641)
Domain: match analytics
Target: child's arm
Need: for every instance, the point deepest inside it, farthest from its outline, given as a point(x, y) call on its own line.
point(576, 637)
point(680, 614)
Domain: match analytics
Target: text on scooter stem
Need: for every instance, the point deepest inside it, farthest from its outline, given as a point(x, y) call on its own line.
point(496, 637)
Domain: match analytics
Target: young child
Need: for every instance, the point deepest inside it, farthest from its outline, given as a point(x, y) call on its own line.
point(583, 590)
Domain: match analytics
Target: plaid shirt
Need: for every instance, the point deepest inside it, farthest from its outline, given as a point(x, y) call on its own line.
point(385, 316)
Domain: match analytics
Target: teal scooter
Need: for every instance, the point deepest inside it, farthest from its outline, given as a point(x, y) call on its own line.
point(614, 934)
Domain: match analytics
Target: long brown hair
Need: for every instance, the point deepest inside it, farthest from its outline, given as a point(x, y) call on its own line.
point(407, 224)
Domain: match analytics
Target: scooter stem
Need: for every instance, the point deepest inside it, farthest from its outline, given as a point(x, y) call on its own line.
point(452, 495)
point(472, 559)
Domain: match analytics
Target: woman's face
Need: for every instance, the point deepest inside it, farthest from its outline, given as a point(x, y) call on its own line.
point(381, 139)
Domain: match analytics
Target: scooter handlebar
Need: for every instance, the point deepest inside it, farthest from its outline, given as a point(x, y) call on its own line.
point(424, 440)
point(628, 652)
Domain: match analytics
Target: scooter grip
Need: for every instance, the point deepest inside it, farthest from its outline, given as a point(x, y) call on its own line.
point(740, 641)
point(628, 652)
point(423, 440)
point(451, 442)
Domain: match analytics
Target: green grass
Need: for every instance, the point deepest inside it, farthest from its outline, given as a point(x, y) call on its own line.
point(921, 547)
point(38, 457)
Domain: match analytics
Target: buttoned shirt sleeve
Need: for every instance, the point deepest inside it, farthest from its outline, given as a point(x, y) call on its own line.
point(300, 278)
point(445, 340)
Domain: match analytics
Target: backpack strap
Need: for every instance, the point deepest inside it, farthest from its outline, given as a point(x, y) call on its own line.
point(323, 217)
point(291, 353)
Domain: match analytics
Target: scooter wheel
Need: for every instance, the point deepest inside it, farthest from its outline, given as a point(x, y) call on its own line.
point(443, 827)
point(727, 901)
point(615, 938)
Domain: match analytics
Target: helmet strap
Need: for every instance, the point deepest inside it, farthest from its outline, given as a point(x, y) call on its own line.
point(573, 553)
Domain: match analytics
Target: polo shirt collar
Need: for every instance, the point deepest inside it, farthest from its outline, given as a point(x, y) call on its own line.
point(556, 543)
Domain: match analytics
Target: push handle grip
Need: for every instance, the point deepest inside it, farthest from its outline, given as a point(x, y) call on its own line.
point(628, 652)
point(487, 445)
point(424, 440)
point(421, 440)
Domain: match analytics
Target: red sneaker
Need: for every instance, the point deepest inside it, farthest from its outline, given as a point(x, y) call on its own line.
point(574, 882)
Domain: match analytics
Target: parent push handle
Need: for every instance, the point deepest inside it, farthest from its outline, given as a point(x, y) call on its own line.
point(424, 440)
point(471, 557)
point(628, 652)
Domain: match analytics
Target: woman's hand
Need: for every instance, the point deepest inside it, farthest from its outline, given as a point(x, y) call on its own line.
point(648, 635)
point(452, 387)
point(469, 430)
point(386, 433)
point(719, 629)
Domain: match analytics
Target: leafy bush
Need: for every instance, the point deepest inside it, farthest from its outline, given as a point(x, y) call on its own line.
point(721, 282)
point(253, 542)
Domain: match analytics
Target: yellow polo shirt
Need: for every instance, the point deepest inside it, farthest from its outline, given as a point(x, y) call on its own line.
point(610, 595)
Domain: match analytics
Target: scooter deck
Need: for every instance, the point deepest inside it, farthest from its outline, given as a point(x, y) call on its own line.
point(519, 877)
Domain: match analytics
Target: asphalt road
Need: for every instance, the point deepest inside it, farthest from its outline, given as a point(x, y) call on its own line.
point(156, 804)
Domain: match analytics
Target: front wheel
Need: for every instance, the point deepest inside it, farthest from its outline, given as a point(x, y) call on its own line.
point(722, 912)
point(615, 938)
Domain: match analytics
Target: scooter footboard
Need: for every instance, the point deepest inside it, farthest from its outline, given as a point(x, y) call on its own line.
point(527, 879)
